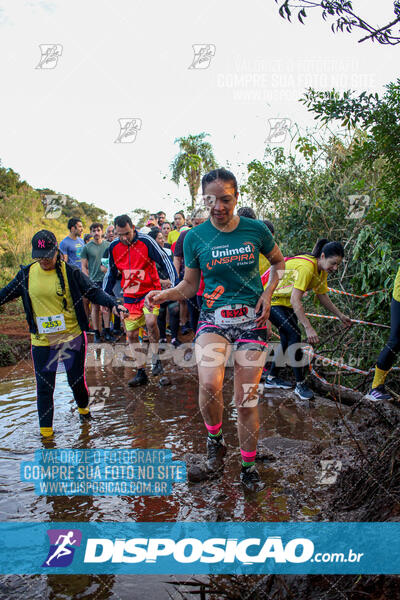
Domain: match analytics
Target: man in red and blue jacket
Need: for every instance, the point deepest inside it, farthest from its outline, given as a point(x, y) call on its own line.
point(134, 255)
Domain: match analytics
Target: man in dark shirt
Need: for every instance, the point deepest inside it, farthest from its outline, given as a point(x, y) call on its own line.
point(198, 216)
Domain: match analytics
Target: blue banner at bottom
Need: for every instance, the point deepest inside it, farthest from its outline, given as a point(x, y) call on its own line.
point(200, 548)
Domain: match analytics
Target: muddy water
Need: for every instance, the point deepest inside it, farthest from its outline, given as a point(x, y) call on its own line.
point(151, 417)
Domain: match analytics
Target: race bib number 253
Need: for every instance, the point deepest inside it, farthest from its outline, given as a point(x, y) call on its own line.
point(51, 324)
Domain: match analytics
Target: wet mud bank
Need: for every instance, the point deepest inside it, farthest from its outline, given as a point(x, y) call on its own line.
point(320, 461)
point(360, 472)
point(13, 350)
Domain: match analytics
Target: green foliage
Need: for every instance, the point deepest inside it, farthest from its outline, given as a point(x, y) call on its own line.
point(69, 207)
point(10, 182)
point(195, 158)
point(23, 212)
point(345, 19)
point(379, 120)
point(139, 217)
point(308, 194)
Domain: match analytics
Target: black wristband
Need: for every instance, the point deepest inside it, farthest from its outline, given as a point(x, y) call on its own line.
point(120, 308)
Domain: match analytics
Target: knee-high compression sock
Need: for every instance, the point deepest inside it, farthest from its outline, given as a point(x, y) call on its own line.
point(214, 431)
point(379, 377)
point(248, 458)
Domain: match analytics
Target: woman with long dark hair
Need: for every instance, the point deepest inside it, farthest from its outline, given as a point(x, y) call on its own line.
point(52, 293)
point(302, 273)
point(226, 249)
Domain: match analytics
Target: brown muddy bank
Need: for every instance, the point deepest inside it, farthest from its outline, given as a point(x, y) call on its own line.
point(358, 479)
point(366, 488)
point(14, 335)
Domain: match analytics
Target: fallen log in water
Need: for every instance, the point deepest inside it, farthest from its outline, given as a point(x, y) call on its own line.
point(337, 392)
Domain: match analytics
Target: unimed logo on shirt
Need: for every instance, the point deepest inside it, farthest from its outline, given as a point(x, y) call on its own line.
point(243, 254)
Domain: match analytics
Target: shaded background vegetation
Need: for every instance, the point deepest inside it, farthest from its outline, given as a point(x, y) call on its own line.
point(340, 181)
point(23, 211)
point(342, 184)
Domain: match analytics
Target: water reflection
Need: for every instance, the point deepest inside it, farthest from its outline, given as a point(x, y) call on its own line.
point(149, 417)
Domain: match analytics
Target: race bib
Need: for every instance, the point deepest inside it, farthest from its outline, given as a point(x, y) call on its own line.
point(51, 324)
point(234, 314)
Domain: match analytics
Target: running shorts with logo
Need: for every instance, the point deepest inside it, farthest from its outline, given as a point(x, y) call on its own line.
point(237, 324)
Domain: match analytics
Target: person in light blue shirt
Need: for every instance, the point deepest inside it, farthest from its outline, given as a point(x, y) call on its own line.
point(71, 246)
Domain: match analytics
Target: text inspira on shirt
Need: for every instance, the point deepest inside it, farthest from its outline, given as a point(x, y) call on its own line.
point(229, 261)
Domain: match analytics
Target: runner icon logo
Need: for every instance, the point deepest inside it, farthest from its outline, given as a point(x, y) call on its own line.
point(330, 471)
point(50, 53)
point(203, 53)
point(53, 204)
point(128, 129)
point(98, 397)
point(358, 204)
point(278, 130)
point(62, 547)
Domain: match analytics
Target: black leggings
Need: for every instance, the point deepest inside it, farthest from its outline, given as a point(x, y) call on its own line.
point(173, 314)
point(45, 360)
point(285, 321)
point(194, 306)
point(392, 347)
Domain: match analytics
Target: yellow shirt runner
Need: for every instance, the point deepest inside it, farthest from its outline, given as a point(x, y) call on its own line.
point(173, 236)
point(263, 264)
point(55, 324)
point(301, 273)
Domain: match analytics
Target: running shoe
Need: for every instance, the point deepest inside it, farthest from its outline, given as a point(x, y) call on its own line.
point(97, 338)
point(85, 418)
point(139, 379)
point(377, 394)
point(186, 328)
point(162, 341)
point(251, 480)
point(157, 368)
point(277, 383)
point(109, 337)
point(303, 391)
point(216, 450)
point(175, 342)
point(117, 333)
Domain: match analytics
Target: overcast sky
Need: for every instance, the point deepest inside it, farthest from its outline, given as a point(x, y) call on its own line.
point(128, 59)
